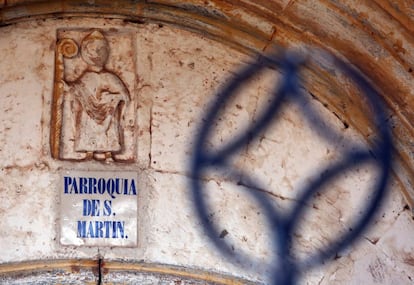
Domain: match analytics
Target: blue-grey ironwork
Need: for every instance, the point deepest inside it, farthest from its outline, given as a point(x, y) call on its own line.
point(287, 269)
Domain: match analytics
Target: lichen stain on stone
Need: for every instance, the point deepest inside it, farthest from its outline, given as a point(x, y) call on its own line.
point(376, 269)
point(409, 260)
point(398, 46)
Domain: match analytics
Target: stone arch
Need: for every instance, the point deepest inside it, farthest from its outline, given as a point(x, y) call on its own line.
point(376, 37)
point(373, 36)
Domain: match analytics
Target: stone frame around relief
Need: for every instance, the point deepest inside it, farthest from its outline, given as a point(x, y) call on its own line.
point(94, 97)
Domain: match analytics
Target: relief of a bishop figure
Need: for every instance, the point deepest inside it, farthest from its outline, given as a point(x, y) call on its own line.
point(100, 98)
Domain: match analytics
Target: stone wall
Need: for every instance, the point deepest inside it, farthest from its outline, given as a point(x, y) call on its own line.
point(172, 75)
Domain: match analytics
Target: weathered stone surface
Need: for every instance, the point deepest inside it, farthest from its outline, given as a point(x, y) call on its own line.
point(94, 99)
point(178, 73)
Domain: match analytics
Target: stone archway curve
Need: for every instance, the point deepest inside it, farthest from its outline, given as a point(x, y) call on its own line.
point(374, 36)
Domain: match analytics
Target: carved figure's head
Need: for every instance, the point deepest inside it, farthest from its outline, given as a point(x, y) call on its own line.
point(95, 49)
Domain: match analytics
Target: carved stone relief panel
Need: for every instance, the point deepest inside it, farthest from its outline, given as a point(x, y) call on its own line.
point(94, 105)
